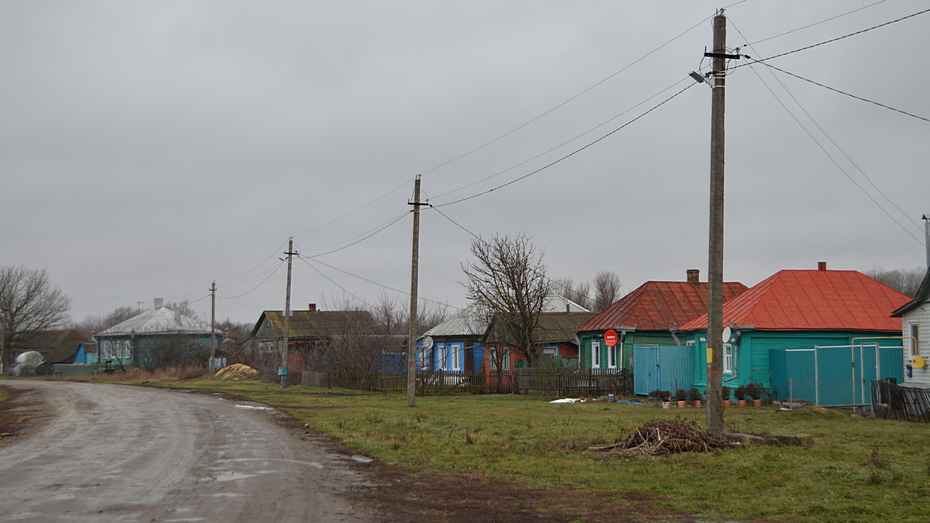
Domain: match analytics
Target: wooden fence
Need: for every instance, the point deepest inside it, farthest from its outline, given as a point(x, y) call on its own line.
point(538, 381)
point(892, 401)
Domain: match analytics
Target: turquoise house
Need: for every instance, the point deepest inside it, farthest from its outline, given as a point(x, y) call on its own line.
point(823, 333)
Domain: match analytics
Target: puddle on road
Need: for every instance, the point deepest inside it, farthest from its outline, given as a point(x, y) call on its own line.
point(233, 476)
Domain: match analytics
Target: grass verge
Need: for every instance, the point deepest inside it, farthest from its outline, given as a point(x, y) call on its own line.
point(859, 469)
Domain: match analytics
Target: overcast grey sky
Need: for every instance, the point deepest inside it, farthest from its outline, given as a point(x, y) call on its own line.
point(150, 148)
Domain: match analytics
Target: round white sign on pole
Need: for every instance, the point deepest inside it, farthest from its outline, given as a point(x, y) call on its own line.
point(428, 343)
point(727, 332)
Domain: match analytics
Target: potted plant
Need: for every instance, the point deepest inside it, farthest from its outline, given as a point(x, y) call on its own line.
point(664, 396)
point(681, 395)
point(695, 396)
point(742, 393)
point(725, 395)
point(757, 391)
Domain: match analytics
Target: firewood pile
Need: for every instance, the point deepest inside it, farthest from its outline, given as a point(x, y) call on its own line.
point(661, 438)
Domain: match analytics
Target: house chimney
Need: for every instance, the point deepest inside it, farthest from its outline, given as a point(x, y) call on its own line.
point(694, 276)
point(821, 266)
point(159, 303)
point(312, 307)
point(177, 316)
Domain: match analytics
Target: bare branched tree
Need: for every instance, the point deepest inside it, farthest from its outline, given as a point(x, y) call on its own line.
point(905, 281)
point(28, 305)
point(580, 293)
point(508, 279)
point(606, 290)
point(93, 324)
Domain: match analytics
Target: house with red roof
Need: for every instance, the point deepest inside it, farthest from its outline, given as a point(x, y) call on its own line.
point(651, 315)
point(915, 328)
point(818, 331)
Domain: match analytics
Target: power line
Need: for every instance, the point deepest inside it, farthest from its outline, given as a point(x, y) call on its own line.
point(553, 148)
point(837, 38)
point(569, 155)
point(818, 84)
point(369, 204)
point(822, 148)
point(336, 284)
point(815, 23)
point(359, 240)
point(571, 99)
point(404, 293)
point(273, 271)
point(453, 221)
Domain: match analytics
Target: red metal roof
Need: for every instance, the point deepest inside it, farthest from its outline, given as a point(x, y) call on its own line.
point(792, 300)
point(658, 305)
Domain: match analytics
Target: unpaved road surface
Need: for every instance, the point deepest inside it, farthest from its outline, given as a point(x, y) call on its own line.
point(116, 453)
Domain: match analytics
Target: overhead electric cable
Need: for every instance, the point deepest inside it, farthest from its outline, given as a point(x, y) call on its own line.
point(818, 84)
point(553, 148)
point(453, 221)
point(837, 38)
point(278, 266)
point(336, 284)
point(403, 293)
point(356, 242)
point(571, 99)
point(569, 155)
point(815, 23)
point(822, 148)
point(369, 204)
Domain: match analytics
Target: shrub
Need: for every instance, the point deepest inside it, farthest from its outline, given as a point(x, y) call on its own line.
point(663, 395)
point(694, 394)
point(725, 392)
point(681, 395)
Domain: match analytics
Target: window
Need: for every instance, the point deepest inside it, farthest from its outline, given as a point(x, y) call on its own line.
point(612, 357)
point(727, 358)
point(441, 352)
point(456, 357)
point(915, 342)
point(554, 351)
point(595, 354)
point(492, 351)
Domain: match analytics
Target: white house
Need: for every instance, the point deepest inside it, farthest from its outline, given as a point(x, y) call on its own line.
point(915, 327)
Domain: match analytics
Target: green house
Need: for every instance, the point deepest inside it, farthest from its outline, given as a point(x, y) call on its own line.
point(648, 316)
point(820, 332)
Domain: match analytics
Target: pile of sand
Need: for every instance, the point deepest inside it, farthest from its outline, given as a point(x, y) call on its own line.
point(237, 372)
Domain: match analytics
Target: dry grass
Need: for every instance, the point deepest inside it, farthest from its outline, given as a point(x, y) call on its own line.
point(181, 372)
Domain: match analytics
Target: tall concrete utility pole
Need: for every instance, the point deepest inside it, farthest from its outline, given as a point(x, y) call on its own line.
point(213, 327)
point(715, 256)
point(287, 314)
point(926, 219)
point(414, 272)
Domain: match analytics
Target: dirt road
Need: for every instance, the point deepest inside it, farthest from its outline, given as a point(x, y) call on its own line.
point(116, 453)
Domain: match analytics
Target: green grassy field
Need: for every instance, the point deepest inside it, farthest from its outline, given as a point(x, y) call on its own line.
point(859, 469)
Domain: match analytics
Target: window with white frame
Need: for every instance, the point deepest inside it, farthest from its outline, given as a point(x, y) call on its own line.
point(595, 354)
point(551, 350)
point(441, 352)
point(456, 357)
point(612, 357)
point(915, 339)
point(505, 358)
point(727, 358)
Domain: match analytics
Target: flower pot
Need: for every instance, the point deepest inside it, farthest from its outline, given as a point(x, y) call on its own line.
point(682, 404)
point(756, 403)
point(697, 404)
point(741, 403)
point(666, 404)
point(727, 403)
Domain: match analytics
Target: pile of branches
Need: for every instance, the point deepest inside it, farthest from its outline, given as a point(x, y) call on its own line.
point(661, 438)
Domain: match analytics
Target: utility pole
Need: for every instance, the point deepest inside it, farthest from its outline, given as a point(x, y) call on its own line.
point(282, 370)
point(213, 327)
point(719, 57)
point(414, 272)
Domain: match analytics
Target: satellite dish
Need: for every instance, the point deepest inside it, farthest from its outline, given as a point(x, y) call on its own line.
point(727, 332)
point(428, 342)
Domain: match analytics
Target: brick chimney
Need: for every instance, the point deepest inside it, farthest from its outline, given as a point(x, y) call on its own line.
point(694, 276)
point(821, 266)
point(311, 307)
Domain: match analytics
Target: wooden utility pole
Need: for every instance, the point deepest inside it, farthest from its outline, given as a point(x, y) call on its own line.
point(287, 314)
point(719, 57)
point(213, 327)
point(414, 271)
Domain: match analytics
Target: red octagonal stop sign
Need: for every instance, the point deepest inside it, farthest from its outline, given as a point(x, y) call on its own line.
point(610, 338)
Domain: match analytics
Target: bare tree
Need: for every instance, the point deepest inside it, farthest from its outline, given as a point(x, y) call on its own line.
point(508, 279)
point(28, 305)
point(580, 294)
point(92, 324)
point(905, 281)
point(606, 290)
